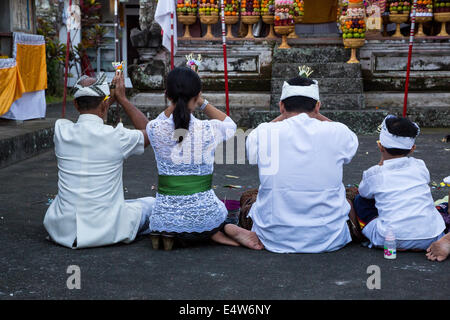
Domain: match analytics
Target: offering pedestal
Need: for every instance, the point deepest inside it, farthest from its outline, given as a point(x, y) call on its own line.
point(250, 21)
point(421, 21)
point(209, 21)
point(442, 17)
point(270, 20)
point(293, 35)
point(353, 44)
point(187, 21)
point(284, 31)
point(398, 19)
point(230, 21)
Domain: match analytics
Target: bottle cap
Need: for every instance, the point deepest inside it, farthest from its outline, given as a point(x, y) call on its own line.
point(390, 236)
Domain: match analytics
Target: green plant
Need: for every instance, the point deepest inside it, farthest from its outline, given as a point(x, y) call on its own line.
point(55, 55)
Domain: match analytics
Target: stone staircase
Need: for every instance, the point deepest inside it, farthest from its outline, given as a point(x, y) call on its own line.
point(341, 84)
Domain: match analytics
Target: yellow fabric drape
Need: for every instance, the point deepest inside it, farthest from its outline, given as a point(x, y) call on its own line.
point(28, 75)
point(11, 88)
point(32, 67)
point(320, 11)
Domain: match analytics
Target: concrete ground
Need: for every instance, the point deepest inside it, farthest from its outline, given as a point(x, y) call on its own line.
point(33, 268)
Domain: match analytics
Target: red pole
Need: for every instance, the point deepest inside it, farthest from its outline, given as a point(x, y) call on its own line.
point(116, 31)
point(225, 60)
point(408, 68)
point(172, 42)
point(66, 71)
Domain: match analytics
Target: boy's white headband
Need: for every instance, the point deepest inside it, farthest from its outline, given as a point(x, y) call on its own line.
point(98, 89)
point(311, 91)
point(388, 140)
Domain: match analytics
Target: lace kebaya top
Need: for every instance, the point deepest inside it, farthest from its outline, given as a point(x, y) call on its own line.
point(199, 212)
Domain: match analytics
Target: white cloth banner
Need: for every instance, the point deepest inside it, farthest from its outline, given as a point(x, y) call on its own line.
point(162, 17)
point(31, 105)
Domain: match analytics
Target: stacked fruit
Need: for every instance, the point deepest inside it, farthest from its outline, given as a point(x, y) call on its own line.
point(299, 8)
point(268, 7)
point(231, 7)
point(208, 8)
point(441, 6)
point(284, 13)
point(399, 7)
point(187, 7)
point(250, 8)
point(354, 28)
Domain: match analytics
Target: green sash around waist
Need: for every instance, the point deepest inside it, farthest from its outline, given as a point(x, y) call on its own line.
point(183, 185)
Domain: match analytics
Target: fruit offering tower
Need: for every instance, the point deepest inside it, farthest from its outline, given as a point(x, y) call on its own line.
point(187, 7)
point(250, 13)
point(284, 13)
point(208, 8)
point(268, 16)
point(354, 27)
point(187, 14)
point(209, 14)
point(284, 20)
point(442, 15)
point(231, 10)
point(424, 13)
point(250, 8)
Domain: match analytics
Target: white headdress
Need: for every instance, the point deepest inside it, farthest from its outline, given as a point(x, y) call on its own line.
point(99, 88)
point(311, 91)
point(388, 140)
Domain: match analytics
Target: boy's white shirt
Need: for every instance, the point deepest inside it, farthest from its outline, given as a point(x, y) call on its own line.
point(90, 205)
point(403, 199)
point(302, 207)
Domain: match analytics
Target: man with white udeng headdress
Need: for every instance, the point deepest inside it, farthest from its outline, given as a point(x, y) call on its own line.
point(301, 204)
point(90, 209)
point(394, 196)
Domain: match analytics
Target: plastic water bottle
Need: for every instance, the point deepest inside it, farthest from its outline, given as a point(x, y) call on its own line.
point(390, 247)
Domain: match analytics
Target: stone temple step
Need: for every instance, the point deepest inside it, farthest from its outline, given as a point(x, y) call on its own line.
point(311, 54)
point(20, 140)
point(329, 85)
point(321, 70)
point(361, 122)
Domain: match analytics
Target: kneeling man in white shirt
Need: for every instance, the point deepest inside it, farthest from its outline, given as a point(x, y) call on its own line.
point(90, 209)
point(301, 204)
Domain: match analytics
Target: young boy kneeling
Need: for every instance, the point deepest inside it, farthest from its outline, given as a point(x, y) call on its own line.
point(395, 194)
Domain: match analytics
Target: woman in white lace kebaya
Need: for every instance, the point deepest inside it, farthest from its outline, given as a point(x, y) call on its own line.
point(186, 206)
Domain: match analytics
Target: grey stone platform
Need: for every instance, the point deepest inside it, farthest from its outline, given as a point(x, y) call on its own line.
point(20, 140)
point(23, 140)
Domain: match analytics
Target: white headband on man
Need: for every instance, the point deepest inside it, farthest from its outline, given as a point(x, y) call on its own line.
point(311, 91)
point(98, 89)
point(388, 140)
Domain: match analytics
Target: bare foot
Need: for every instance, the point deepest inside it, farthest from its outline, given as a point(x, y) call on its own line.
point(246, 238)
point(440, 249)
point(221, 238)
